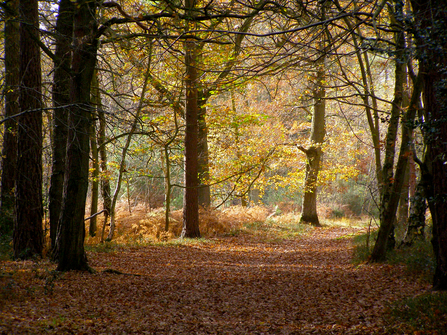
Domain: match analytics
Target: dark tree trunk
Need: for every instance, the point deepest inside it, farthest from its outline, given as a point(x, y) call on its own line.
point(11, 94)
point(191, 201)
point(431, 45)
point(61, 100)
point(71, 232)
point(28, 233)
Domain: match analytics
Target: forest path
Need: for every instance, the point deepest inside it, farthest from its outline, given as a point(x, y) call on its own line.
point(234, 285)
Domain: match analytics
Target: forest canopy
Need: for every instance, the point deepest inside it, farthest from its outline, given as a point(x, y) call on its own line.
point(203, 105)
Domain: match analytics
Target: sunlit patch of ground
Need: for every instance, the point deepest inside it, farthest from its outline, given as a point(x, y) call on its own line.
point(272, 276)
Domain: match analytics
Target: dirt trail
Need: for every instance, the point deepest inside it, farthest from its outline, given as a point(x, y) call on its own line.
point(233, 285)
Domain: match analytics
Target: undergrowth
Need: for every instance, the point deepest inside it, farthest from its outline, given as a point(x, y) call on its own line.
point(5, 247)
point(424, 314)
point(418, 257)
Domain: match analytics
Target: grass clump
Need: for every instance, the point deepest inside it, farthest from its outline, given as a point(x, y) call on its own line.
point(418, 259)
point(363, 246)
point(275, 228)
point(424, 314)
point(106, 247)
point(6, 251)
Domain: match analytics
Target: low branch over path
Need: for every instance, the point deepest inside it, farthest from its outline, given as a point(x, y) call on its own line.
point(234, 285)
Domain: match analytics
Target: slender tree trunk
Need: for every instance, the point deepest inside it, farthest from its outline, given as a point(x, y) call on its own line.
point(314, 153)
point(388, 196)
point(416, 221)
point(368, 96)
point(389, 210)
point(190, 200)
point(203, 156)
point(133, 128)
point(168, 186)
point(105, 180)
point(431, 46)
point(406, 193)
point(71, 233)
point(404, 206)
point(61, 100)
point(11, 94)
point(28, 233)
point(95, 180)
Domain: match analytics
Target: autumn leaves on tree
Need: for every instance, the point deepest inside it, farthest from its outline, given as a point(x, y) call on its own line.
point(240, 101)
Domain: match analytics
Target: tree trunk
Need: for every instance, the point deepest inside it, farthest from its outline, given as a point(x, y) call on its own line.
point(133, 128)
point(61, 100)
point(431, 48)
point(314, 153)
point(389, 209)
point(404, 205)
point(11, 94)
point(95, 181)
point(203, 156)
point(168, 186)
point(71, 232)
point(28, 233)
point(389, 198)
point(416, 221)
point(190, 200)
point(105, 181)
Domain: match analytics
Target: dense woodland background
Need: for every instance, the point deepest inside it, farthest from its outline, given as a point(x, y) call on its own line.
point(310, 107)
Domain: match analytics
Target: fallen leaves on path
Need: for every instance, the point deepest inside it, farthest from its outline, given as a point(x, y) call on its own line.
point(232, 285)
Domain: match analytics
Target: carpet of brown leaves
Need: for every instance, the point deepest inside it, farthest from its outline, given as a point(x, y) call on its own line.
point(229, 285)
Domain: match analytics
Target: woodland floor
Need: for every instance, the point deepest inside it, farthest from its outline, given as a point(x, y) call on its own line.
point(232, 285)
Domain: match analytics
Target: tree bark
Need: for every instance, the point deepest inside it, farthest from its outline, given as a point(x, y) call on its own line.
point(389, 194)
point(61, 100)
point(431, 47)
point(133, 128)
point(203, 156)
point(190, 199)
point(105, 180)
point(168, 186)
point(416, 221)
point(388, 213)
point(314, 153)
point(95, 180)
point(11, 94)
point(71, 232)
point(28, 233)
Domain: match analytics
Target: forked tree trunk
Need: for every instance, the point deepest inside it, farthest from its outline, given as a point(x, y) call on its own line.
point(11, 94)
point(389, 209)
point(393, 182)
point(314, 152)
point(28, 233)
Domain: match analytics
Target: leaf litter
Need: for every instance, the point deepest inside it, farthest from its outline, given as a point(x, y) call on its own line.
point(231, 285)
